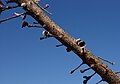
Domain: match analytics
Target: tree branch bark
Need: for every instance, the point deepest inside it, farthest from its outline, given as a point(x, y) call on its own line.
point(91, 60)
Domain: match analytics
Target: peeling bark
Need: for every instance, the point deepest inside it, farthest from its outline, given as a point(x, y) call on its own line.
point(91, 60)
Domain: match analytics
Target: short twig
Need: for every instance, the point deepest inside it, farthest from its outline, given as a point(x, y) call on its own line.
point(10, 7)
point(71, 72)
point(82, 71)
point(59, 45)
point(112, 63)
point(9, 18)
point(99, 81)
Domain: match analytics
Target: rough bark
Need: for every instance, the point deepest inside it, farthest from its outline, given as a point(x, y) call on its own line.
point(91, 60)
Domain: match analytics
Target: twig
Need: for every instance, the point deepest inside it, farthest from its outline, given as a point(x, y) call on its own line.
point(71, 72)
point(112, 63)
point(9, 18)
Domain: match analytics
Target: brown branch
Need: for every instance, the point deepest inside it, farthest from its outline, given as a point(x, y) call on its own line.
point(91, 60)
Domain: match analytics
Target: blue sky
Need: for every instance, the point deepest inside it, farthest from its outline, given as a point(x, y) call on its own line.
point(24, 59)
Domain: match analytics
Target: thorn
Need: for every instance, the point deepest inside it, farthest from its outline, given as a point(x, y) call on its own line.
point(59, 45)
point(68, 49)
point(17, 14)
point(10, 7)
point(23, 4)
point(112, 63)
point(72, 71)
point(82, 71)
point(99, 81)
point(24, 24)
point(46, 34)
point(23, 16)
point(87, 78)
point(35, 23)
point(46, 6)
point(9, 18)
point(30, 25)
point(117, 72)
point(45, 10)
point(41, 38)
point(42, 26)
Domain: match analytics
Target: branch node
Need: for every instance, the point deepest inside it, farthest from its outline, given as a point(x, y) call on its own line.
point(46, 34)
point(87, 78)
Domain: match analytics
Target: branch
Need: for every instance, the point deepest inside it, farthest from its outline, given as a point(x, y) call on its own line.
point(91, 60)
